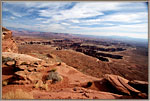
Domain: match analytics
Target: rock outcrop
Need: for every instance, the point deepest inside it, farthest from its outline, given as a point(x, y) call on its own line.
point(121, 84)
point(8, 43)
point(28, 69)
point(33, 71)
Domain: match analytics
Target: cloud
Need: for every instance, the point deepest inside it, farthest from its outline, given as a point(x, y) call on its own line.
point(80, 10)
point(12, 17)
point(98, 18)
point(65, 24)
point(40, 19)
point(126, 17)
point(75, 21)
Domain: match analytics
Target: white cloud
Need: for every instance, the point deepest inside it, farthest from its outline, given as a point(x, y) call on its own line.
point(12, 17)
point(65, 23)
point(138, 17)
point(39, 19)
point(75, 21)
point(17, 14)
point(84, 10)
point(108, 18)
point(80, 10)
point(126, 17)
point(135, 30)
point(47, 21)
point(77, 27)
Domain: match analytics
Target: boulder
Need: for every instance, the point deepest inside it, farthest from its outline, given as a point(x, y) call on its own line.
point(39, 68)
point(121, 84)
point(21, 75)
point(140, 85)
point(21, 58)
point(10, 63)
point(23, 82)
point(22, 67)
point(31, 69)
point(34, 77)
point(18, 62)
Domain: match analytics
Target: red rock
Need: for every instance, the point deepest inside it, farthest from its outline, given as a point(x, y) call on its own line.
point(39, 68)
point(21, 75)
point(143, 95)
point(18, 62)
point(48, 82)
point(122, 85)
point(10, 63)
point(34, 77)
point(140, 85)
point(128, 86)
point(139, 82)
point(22, 67)
point(31, 68)
point(23, 82)
point(113, 79)
point(8, 44)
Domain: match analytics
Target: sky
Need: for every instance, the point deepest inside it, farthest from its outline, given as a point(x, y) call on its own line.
point(88, 18)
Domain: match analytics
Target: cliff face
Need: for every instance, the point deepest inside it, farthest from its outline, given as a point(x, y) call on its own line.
point(8, 43)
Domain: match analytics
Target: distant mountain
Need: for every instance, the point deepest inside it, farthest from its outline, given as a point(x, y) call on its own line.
point(23, 31)
point(113, 37)
point(18, 29)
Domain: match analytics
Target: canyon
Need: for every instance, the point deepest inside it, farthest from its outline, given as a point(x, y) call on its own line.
point(64, 66)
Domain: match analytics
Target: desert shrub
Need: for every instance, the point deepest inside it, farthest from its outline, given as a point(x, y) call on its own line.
point(45, 87)
point(4, 60)
point(36, 85)
point(18, 94)
point(41, 86)
point(5, 82)
point(54, 76)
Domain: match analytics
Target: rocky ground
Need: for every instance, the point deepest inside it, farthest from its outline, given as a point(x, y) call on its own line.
point(29, 77)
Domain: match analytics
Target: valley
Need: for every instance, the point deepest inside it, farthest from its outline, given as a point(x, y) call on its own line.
point(67, 66)
point(94, 57)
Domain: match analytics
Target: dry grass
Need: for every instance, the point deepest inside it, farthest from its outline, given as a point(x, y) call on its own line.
point(18, 94)
point(45, 87)
point(5, 82)
point(41, 85)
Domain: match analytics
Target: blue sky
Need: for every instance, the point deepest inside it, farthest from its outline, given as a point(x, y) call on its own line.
point(91, 18)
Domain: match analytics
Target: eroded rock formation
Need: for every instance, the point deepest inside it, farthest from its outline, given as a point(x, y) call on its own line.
point(8, 43)
point(29, 70)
